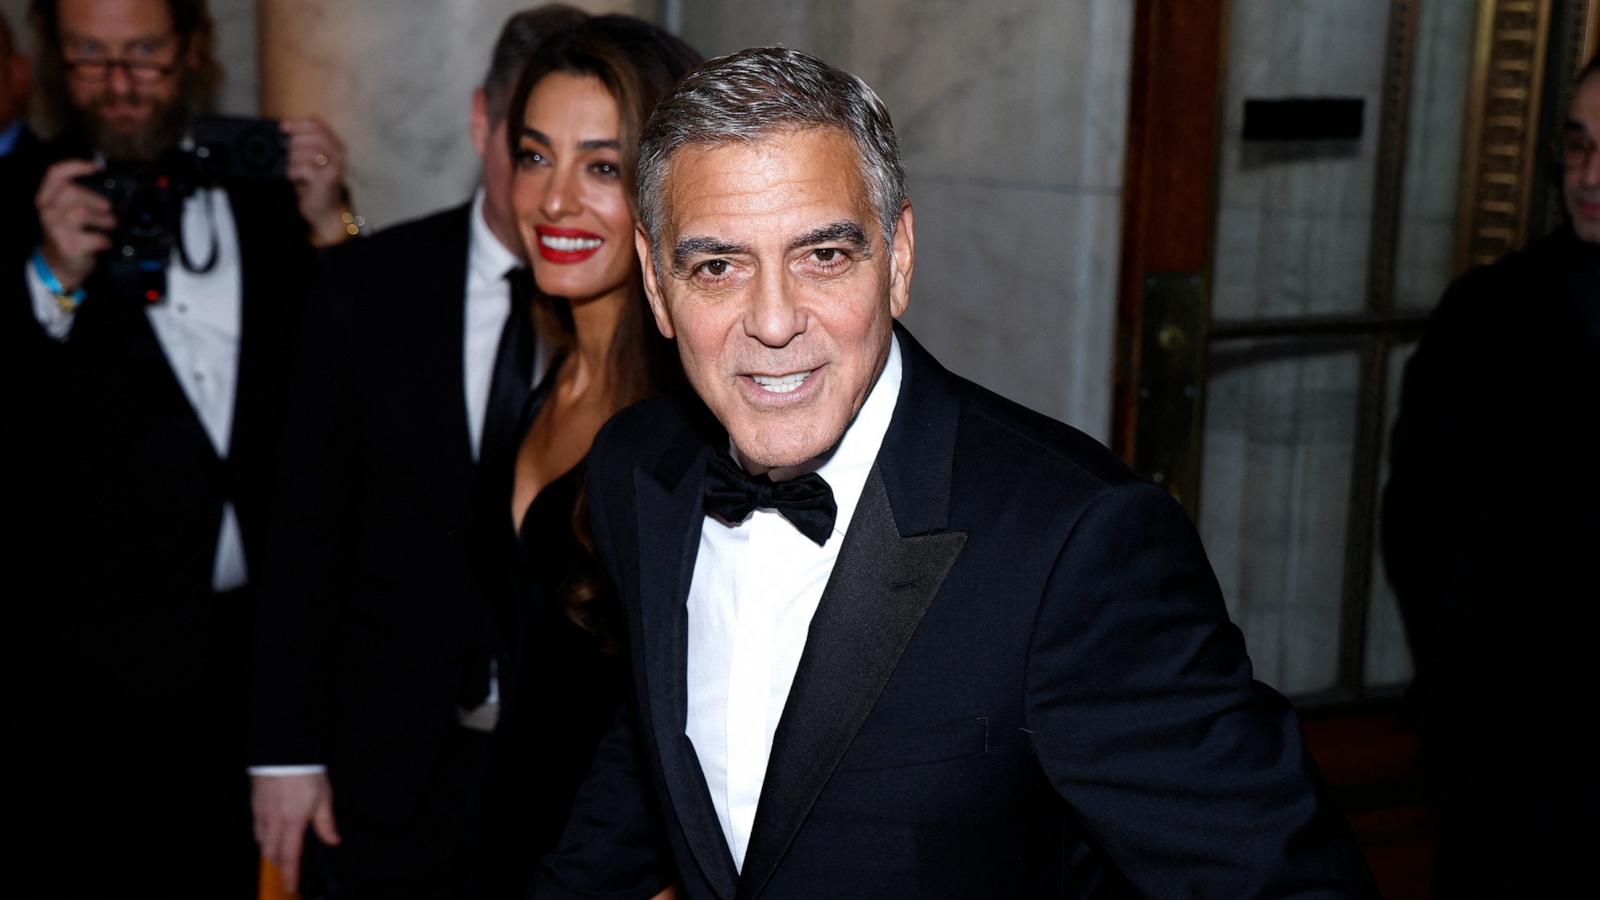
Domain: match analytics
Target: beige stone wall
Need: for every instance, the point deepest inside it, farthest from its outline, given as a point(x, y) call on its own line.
point(395, 79)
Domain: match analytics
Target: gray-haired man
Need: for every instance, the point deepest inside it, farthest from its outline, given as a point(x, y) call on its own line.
point(894, 635)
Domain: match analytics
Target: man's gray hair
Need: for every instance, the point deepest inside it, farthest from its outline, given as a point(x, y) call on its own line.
point(746, 96)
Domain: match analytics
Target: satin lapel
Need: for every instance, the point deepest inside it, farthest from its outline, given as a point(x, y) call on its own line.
point(669, 541)
point(880, 588)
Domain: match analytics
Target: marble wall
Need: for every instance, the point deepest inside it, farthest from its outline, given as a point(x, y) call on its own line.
point(1011, 117)
point(395, 79)
point(1292, 230)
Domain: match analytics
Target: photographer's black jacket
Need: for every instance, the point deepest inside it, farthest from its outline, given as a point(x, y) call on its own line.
point(114, 486)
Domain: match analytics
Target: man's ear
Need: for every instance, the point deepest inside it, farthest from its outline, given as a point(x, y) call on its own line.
point(480, 122)
point(652, 288)
point(905, 257)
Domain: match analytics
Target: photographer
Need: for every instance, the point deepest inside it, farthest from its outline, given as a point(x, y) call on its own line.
point(165, 293)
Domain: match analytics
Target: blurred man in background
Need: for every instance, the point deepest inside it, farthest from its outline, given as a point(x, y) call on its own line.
point(159, 311)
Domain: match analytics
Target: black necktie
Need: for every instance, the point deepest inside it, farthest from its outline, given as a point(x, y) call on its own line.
point(807, 501)
point(513, 371)
point(508, 391)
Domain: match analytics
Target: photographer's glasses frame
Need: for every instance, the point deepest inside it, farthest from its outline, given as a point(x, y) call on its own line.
point(90, 68)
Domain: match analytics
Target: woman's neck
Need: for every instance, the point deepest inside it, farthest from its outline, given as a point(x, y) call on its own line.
point(594, 325)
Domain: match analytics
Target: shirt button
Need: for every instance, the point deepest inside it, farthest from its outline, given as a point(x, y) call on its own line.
point(199, 377)
point(183, 308)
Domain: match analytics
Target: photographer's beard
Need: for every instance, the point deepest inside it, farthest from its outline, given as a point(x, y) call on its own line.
point(132, 126)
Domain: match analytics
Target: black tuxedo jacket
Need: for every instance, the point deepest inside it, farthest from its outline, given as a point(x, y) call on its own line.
point(119, 489)
point(1020, 681)
point(370, 605)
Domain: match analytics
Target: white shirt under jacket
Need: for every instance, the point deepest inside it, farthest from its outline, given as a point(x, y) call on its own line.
point(755, 587)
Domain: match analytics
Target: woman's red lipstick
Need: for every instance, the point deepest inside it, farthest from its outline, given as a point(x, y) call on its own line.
point(566, 245)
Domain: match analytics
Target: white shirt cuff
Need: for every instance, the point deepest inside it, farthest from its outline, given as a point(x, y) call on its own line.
point(56, 321)
point(283, 771)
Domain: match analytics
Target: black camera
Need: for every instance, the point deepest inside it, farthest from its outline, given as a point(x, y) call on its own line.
point(147, 198)
point(147, 201)
point(229, 148)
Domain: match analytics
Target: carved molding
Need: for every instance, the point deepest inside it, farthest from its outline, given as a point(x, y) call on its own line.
point(1502, 128)
point(1585, 25)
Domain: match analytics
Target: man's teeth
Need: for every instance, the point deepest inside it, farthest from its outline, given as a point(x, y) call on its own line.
point(781, 384)
point(568, 244)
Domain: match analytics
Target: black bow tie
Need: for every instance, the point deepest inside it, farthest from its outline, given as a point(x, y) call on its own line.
point(807, 501)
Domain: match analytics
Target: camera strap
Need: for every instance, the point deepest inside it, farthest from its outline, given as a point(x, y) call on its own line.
point(210, 196)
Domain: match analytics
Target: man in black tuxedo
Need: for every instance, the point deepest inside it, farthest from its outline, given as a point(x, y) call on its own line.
point(148, 415)
point(1492, 564)
point(892, 634)
point(375, 703)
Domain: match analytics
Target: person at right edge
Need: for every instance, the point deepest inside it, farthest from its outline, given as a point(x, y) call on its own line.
point(891, 634)
point(1491, 523)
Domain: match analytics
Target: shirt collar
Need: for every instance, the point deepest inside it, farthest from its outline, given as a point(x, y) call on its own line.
point(488, 259)
point(846, 468)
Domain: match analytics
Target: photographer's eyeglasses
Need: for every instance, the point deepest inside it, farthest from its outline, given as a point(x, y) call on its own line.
point(139, 71)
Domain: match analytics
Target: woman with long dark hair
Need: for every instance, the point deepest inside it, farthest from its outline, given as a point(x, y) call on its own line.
point(574, 119)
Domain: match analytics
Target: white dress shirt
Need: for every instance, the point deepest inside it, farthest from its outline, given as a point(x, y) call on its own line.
point(198, 329)
point(755, 587)
point(488, 304)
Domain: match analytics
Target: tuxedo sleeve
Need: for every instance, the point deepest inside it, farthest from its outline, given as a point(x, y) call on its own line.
point(298, 591)
point(1191, 776)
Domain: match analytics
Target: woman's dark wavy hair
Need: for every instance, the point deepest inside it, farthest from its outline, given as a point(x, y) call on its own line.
point(638, 63)
point(191, 22)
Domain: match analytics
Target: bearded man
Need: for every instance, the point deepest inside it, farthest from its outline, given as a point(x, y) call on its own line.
point(149, 399)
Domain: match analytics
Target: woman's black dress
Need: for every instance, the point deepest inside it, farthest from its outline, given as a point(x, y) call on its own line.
point(564, 681)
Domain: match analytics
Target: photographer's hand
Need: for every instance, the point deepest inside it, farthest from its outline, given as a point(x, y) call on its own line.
point(75, 222)
point(316, 168)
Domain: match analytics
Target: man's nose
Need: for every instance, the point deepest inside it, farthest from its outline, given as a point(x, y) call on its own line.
point(118, 82)
point(560, 194)
point(775, 315)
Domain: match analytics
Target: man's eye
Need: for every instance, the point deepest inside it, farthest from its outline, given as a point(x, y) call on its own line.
point(716, 268)
point(829, 260)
